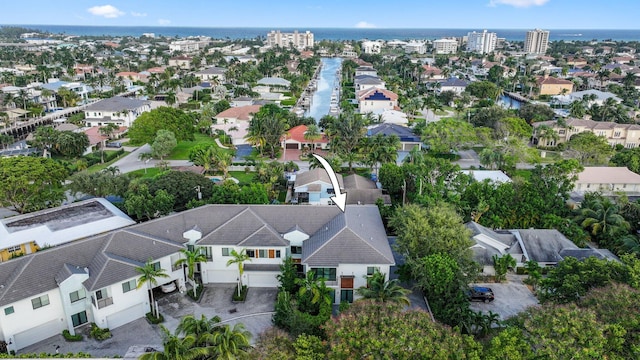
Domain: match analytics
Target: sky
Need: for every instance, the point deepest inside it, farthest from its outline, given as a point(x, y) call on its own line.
point(465, 14)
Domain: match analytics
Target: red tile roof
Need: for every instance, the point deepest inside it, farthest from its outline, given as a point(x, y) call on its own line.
point(297, 134)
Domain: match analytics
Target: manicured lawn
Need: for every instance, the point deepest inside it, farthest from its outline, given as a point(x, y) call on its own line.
point(98, 167)
point(243, 177)
point(150, 173)
point(181, 152)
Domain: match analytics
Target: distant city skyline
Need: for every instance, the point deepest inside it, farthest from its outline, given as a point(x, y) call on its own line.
point(494, 14)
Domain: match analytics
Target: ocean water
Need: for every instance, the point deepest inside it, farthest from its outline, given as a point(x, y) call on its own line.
point(332, 33)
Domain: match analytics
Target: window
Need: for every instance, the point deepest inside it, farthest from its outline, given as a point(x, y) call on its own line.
point(79, 318)
point(40, 301)
point(278, 254)
point(371, 270)
point(262, 253)
point(251, 253)
point(9, 310)
point(102, 293)
point(346, 295)
point(331, 191)
point(129, 285)
point(296, 249)
point(156, 266)
point(207, 251)
point(77, 295)
point(225, 251)
point(327, 273)
point(14, 249)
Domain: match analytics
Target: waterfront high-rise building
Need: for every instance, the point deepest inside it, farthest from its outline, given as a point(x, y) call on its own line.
point(445, 46)
point(536, 42)
point(482, 42)
point(298, 40)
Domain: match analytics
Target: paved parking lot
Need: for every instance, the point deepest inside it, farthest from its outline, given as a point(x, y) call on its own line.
point(511, 297)
point(255, 314)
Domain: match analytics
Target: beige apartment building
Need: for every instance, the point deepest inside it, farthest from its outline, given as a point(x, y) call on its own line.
point(299, 40)
point(627, 135)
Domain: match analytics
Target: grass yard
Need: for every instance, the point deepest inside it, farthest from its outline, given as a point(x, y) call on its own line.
point(181, 151)
point(99, 167)
point(150, 173)
point(243, 177)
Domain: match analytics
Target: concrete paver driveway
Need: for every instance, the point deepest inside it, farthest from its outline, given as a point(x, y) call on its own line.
point(511, 298)
point(255, 314)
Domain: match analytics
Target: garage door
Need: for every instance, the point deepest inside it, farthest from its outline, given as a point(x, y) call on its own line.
point(125, 316)
point(295, 146)
point(222, 276)
point(39, 333)
point(262, 279)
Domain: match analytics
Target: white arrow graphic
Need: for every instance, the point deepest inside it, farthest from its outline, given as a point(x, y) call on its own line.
point(339, 198)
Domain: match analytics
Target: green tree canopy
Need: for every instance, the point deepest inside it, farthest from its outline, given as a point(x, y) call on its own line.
point(163, 143)
point(536, 112)
point(183, 186)
point(448, 135)
point(31, 183)
point(146, 126)
point(382, 330)
point(590, 148)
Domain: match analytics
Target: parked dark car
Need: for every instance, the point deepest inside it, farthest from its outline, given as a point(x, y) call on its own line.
point(479, 293)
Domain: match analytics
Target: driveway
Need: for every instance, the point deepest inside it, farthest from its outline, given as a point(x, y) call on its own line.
point(511, 297)
point(255, 314)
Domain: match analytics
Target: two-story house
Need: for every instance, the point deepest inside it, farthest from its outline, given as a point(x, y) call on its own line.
point(627, 135)
point(314, 187)
point(117, 110)
point(376, 100)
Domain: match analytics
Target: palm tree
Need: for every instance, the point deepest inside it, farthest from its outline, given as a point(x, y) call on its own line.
point(312, 134)
point(228, 342)
point(190, 325)
point(600, 216)
point(148, 275)
point(191, 258)
point(379, 289)
point(548, 134)
point(239, 258)
point(176, 348)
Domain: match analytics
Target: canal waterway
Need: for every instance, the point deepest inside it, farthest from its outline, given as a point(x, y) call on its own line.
point(509, 103)
point(326, 83)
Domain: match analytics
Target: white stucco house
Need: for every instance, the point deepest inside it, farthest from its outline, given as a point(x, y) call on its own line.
point(314, 187)
point(117, 110)
point(94, 279)
point(376, 100)
point(608, 181)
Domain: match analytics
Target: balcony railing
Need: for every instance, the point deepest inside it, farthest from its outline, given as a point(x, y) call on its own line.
point(102, 302)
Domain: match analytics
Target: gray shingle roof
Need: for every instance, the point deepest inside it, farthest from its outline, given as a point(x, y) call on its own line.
point(544, 245)
point(317, 174)
point(116, 103)
point(356, 236)
point(212, 71)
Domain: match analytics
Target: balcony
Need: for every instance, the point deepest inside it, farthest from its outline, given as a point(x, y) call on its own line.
point(104, 302)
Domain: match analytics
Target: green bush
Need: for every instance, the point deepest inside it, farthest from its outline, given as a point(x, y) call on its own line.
point(192, 296)
point(521, 271)
point(67, 336)
point(154, 320)
point(288, 102)
point(243, 293)
point(99, 333)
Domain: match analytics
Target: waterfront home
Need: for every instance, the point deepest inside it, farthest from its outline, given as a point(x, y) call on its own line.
point(235, 122)
point(455, 85)
point(296, 139)
point(375, 100)
point(549, 85)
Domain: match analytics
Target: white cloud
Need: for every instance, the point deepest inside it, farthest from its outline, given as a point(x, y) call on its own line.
point(164, 21)
point(518, 3)
point(137, 14)
point(365, 25)
point(107, 11)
